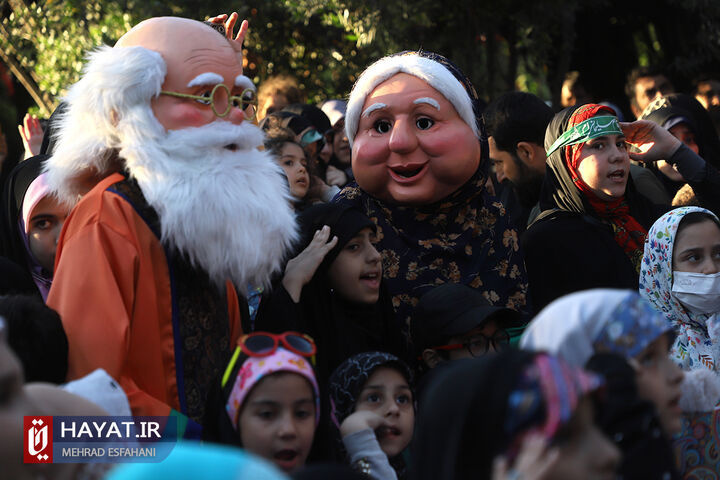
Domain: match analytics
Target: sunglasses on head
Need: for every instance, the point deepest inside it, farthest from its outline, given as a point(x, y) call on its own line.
point(263, 344)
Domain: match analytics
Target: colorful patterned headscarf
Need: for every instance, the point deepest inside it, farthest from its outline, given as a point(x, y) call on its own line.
point(483, 407)
point(576, 326)
point(545, 398)
point(697, 345)
point(254, 369)
point(629, 234)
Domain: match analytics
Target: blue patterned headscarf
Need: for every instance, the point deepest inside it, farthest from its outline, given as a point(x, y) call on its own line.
point(545, 398)
point(576, 326)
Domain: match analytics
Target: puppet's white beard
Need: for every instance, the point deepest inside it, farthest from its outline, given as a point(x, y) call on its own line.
point(227, 209)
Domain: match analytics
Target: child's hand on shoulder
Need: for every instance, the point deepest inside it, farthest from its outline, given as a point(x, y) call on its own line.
point(361, 421)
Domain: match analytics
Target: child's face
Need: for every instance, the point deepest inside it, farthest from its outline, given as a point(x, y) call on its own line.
point(294, 163)
point(357, 270)
point(584, 451)
point(387, 394)
point(658, 380)
point(477, 342)
point(697, 248)
point(45, 224)
point(277, 420)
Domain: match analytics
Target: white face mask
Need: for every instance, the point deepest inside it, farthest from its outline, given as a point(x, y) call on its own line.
point(699, 293)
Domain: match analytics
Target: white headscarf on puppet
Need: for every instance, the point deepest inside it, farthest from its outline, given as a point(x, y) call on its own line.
point(430, 71)
point(220, 200)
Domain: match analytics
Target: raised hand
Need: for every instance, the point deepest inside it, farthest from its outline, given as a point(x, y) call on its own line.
point(653, 141)
point(32, 135)
point(229, 23)
point(360, 421)
point(300, 270)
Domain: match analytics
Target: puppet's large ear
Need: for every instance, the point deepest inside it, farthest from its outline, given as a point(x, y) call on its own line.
point(116, 82)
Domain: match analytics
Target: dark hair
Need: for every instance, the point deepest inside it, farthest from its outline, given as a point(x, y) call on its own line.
point(694, 218)
point(312, 114)
point(276, 136)
point(36, 335)
point(704, 78)
point(638, 73)
point(517, 117)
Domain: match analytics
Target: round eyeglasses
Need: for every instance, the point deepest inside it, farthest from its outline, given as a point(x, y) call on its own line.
point(220, 96)
point(479, 344)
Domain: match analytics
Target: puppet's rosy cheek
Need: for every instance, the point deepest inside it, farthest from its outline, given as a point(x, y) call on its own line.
point(178, 115)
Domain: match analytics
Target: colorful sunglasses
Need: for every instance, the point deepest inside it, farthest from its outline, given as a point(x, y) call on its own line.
point(263, 344)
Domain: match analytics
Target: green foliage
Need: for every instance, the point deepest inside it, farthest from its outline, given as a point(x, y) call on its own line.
point(52, 39)
point(500, 44)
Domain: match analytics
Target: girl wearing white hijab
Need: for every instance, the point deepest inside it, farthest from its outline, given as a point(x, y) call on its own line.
point(618, 334)
point(680, 277)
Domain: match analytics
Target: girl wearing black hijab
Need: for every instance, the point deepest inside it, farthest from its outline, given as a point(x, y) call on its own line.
point(686, 119)
point(30, 228)
point(333, 289)
point(23, 267)
point(594, 222)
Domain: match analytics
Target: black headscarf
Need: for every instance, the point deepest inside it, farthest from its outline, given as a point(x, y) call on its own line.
point(560, 193)
point(12, 245)
point(341, 328)
point(633, 424)
point(466, 418)
point(348, 380)
point(460, 424)
point(698, 119)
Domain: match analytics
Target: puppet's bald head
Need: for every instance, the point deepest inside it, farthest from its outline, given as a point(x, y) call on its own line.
point(196, 56)
point(172, 37)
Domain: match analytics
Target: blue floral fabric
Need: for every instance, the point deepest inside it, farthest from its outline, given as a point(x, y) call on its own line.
point(602, 320)
point(698, 336)
point(631, 327)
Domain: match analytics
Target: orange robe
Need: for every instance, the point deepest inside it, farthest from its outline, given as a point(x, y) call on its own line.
point(114, 293)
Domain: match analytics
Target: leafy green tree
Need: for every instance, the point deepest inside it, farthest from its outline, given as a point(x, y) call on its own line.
point(501, 44)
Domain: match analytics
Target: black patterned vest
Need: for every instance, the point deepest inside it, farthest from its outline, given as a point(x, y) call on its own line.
point(201, 330)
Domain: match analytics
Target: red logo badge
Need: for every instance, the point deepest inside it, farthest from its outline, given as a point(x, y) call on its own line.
point(38, 439)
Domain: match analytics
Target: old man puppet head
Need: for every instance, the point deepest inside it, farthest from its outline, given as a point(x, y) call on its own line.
point(169, 105)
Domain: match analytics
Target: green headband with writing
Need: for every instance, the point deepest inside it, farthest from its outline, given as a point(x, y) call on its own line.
point(594, 127)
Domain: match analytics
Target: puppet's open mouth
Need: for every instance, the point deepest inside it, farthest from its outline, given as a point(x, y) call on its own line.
point(232, 147)
point(407, 172)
